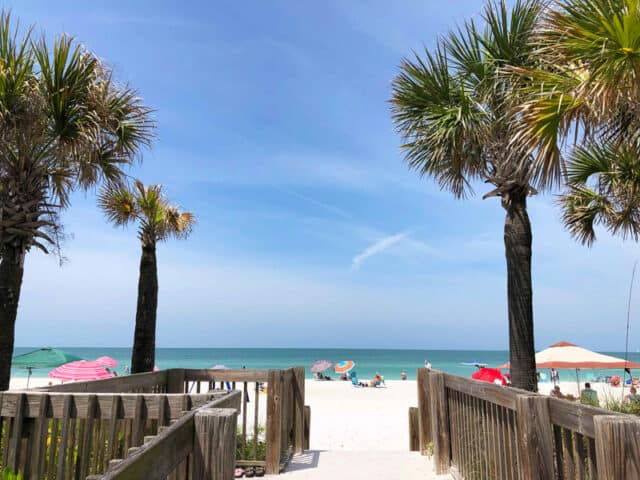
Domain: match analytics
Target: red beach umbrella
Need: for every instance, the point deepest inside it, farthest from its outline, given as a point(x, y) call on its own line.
point(491, 375)
point(80, 371)
point(106, 362)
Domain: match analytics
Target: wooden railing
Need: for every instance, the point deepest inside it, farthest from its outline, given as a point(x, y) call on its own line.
point(50, 435)
point(477, 430)
point(274, 421)
point(201, 445)
point(268, 434)
point(164, 381)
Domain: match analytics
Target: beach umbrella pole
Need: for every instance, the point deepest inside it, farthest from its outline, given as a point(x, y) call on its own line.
point(578, 382)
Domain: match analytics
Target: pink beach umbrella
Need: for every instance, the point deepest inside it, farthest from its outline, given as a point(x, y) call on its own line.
point(106, 362)
point(79, 371)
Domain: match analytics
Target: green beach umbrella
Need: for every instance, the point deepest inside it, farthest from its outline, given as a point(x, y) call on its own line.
point(42, 358)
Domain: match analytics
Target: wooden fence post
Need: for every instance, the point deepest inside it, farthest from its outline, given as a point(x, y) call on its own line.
point(414, 441)
point(175, 380)
point(439, 423)
point(307, 426)
point(274, 422)
point(298, 380)
point(424, 409)
point(617, 447)
point(535, 442)
point(214, 444)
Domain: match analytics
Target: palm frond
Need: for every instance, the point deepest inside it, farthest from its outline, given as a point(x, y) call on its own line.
point(119, 204)
point(439, 120)
point(603, 189)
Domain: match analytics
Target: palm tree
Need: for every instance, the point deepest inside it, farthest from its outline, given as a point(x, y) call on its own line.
point(453, 108)
point(157, 221)
point(582, 102)
point(64, 125)
point(603, 189)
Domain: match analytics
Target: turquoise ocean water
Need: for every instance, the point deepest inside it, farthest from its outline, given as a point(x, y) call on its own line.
point(387, 362)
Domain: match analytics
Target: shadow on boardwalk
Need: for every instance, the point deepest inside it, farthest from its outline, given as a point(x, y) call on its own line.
point(360, 465)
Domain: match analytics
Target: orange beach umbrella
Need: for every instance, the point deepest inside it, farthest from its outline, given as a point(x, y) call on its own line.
point(344, 366)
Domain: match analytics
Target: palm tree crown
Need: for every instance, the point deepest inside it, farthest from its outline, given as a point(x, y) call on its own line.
point(452, 107)
point(64, 124)
point(583, 100)
point(158, 219)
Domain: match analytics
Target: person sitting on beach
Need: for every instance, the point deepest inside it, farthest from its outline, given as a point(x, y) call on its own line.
point(632, 397)
point(555, 392)
point(403, 375)
point(376, 380)
point(588, 396)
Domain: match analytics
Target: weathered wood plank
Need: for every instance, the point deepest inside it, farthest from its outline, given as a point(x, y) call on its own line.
point(574, 416)
point(440, 423)
point(299, 396)
point(86, 446)
point(307, 427)
point(214, 445)
point(15, 442)
point(535, 445)
point(414, 437)
point(617, 447)
point(208, 375)
point(155, 460)
point(424, 409)
point(40, 440)
point(490, 392)
point(274, 422)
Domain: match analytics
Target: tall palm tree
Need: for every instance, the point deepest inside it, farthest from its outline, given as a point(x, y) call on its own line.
point(583, 101)
point(157, 221)
point(453, 107)
point(64, 125)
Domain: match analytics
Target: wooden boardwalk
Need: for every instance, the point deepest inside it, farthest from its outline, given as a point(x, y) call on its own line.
point(360, 465)
point(359, 434)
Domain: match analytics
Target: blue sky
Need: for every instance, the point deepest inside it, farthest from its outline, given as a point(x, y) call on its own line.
point(274, 129)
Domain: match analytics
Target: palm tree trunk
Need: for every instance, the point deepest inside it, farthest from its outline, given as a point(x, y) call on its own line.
point(11, 271)
point(144, 342)
point(517, 242)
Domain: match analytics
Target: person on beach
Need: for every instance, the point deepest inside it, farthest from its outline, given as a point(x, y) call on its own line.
point(403, 375)
point(555, 392)
point(588, 396)
point(632, 397)
point(555, 378)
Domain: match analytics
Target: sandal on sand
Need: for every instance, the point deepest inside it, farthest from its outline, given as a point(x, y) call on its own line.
point(249, 472)
point(239, 473)
point(259, 471)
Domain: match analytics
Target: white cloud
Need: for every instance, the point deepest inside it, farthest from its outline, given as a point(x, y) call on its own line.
point(377, 247)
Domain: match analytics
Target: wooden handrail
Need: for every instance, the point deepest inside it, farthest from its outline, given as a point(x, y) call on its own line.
point(158, 397)
point(152, 382)
point(478, 428)
point(161, 456)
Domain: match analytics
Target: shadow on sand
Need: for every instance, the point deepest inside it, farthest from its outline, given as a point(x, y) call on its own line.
point(304, 461)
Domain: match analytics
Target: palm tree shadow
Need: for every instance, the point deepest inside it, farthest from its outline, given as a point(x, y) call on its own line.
point(304, 461)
